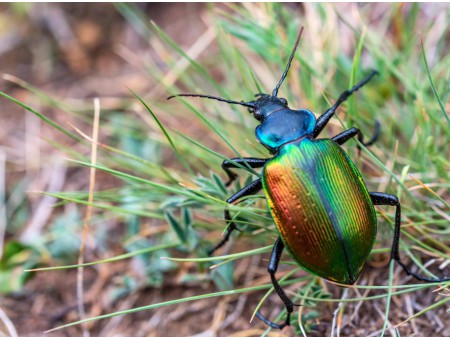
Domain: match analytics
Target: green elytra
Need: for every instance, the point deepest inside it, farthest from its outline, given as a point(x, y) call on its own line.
point(328, 235)
point(322, 209)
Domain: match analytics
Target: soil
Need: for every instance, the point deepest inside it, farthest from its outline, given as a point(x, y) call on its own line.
point(81, 55)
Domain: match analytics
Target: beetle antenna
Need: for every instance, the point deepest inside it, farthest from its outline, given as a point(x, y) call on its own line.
point(249, 105)
point(275, 91)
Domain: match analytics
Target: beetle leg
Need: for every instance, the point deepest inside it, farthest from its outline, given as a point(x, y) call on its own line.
point(231, 163)
point(253, 188)
point(323, 119)
point(391, 200)
point(272, 269)
point(343, 137)
point(375, 136)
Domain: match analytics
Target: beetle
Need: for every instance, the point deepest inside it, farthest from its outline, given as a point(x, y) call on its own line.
point(321, 207)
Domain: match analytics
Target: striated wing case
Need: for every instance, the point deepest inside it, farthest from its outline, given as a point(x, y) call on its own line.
point(321, 207)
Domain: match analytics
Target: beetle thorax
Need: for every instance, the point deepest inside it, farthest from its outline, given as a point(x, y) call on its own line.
point(283, 126)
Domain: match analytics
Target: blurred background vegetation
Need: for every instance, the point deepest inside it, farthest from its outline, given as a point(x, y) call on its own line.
point(158, 188)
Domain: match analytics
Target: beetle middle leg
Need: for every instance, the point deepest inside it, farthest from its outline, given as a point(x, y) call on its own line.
point(251, 189)
point(323, 119)
point(272, 269)
point(231, 163)
point(379, 198)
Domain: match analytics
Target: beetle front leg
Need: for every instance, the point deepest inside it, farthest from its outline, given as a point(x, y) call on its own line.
point(391, 200)
point(272, 269)
point(323, 119)
point(231, 163)
point(253, 188)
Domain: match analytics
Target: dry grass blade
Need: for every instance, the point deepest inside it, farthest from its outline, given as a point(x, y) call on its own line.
point(88, 216)
point(160, 191)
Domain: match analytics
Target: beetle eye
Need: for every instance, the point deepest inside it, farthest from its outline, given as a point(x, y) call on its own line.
point(284, 101)
point(251, 110)
point(258, 116)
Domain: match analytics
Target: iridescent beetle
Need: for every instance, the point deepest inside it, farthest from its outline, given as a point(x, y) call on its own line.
point(322, 209)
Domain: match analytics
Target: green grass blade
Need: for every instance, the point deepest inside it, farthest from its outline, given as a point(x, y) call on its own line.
point(222, 257)
point(432, 84)
point(355, 67)
point(115, 209)
point(431, 307)
point(39, 93)
point(135, 18)
point(388, 298)
point(111, 259)
point(230, 292)
point(197, 66)
point(211, 125)
point(44, 118)
point(197, 195)
point(166, 134)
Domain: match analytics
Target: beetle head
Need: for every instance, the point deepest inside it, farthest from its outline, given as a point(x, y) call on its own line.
point(265, 105)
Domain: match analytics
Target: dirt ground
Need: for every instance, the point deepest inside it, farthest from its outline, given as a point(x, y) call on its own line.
point(48, 48)
point(55, 56)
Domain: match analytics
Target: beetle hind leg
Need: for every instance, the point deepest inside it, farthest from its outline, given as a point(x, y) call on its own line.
point(272, 269)
point(391, 200)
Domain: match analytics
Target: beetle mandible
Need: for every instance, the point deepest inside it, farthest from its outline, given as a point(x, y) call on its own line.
point(319, 202)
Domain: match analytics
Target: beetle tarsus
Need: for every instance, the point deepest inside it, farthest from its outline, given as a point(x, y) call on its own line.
point(419, 277)
point(232, 227)
point(275, 325)
point(375, 135)
point(231, 177)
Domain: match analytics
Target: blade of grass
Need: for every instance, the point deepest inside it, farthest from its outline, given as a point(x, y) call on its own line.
point(432, 84)
point(221, 257)
point(154, 167)
point(216, 130)
point(88, 216)
point(388, 298)
point(431, 307)
point(39, 93)
point(114, 209)
point(111, 259)
point(225, 293)
point(355, 66)
point(431, 191)
point(194, 194)
point(197, 66)
point(44, 118)
point(166, 134)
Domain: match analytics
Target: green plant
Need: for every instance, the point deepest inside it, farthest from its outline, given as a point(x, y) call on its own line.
point(171, 174)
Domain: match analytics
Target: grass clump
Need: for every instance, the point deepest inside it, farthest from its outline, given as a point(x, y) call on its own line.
point(168, 169)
